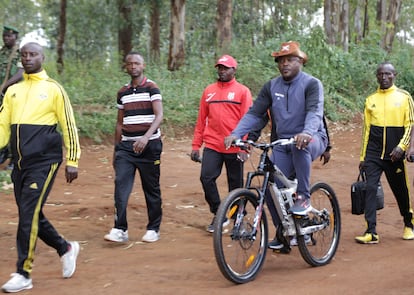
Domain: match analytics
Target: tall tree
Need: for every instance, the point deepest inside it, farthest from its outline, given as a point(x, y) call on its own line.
point(125, 27)
point(155, 30)
point(344, 25)
point(224, 30)
point(176, 55)
point(332, 20)
point(61, 37)
point(393, 15)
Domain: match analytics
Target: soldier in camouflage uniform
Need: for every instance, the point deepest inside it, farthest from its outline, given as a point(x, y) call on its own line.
point(11, 71)
point(10, 67)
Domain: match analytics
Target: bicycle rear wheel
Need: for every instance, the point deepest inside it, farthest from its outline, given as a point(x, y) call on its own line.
point(240, 250)
point(324, 241)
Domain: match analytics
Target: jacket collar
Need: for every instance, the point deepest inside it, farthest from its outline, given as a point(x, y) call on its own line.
point(42, 75)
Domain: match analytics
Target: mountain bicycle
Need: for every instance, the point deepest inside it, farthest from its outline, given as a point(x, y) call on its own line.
point(240, 235)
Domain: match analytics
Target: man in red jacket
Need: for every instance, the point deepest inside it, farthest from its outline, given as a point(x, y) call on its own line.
point(222, 105)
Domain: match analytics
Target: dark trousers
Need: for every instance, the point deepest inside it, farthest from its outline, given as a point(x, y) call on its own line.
point(397, 178)
point(148, 165)
point(294, 162)
point(31, 189)
point(211, 167)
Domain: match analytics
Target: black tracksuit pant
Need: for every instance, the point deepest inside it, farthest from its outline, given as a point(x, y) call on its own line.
point(397, 178)
point(31, 189)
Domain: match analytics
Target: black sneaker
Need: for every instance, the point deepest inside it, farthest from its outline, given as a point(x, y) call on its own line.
point(275, 244)
point(210, 227)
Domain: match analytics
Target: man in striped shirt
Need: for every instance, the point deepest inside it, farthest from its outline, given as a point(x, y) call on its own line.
point(138, 145)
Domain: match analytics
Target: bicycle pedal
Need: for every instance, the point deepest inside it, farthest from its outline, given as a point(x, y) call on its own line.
point(284, 250)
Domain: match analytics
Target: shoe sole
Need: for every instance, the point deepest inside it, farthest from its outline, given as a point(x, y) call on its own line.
point(363, 242)
point(275, 248)
point(308, 210)
point(106, 238)
point(150, 241)
point(17, 290)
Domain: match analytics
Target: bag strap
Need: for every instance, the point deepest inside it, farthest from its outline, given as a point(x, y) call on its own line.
point(362, 176)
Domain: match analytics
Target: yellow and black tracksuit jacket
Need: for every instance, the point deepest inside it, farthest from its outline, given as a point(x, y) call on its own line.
point(388, 119)
point(29, 116)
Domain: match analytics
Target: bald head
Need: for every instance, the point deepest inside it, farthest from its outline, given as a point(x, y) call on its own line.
point(32, 57)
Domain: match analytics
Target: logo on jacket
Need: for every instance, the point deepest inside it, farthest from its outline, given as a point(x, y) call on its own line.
point(231, 95)
point(279, 95)
point(210, 96)
point(43, 96)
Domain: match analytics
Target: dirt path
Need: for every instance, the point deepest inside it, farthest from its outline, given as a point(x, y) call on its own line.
point(182, 262)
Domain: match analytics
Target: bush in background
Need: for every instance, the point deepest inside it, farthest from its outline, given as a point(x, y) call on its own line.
point(348, 77)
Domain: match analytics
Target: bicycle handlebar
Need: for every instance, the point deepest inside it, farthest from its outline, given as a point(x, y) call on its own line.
point(244, 143)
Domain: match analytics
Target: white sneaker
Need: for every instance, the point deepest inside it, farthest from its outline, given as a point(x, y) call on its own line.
point(17, 283)
point(69, 260)
point(294, 241)
point(117, 235)
point(151, 236)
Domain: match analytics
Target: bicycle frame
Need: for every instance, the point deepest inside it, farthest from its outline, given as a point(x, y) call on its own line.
point(279, 197)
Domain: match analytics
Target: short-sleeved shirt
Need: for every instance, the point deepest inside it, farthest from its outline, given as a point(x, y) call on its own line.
point(138, 112)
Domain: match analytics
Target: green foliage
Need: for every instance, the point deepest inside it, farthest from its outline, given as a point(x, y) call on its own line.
point(5, 180)
point(347, 78)
point(92, 74)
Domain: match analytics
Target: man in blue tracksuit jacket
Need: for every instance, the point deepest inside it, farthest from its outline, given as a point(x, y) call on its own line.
point(295, 102)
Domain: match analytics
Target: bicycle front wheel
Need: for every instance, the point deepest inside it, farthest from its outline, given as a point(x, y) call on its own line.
point(239, 247)
point(324, 241)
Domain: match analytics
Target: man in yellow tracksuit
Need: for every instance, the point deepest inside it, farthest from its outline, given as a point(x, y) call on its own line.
point(29, 116)
point(388, 120)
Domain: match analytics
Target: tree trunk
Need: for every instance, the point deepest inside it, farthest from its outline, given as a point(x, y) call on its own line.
point(366, 20)
point(393, 15)
point(332, 16)
point(61, 37)
point(125, 27)
point(176, 55)
point(155, 30)
point(344, 25)
point(358, 21)
point(224, 30)
point(327, 20)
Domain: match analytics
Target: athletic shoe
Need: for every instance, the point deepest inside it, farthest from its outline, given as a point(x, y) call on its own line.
point(151, 236)
point(302, 206)
point(367, 238)
point(275, 244)
point(210, 227)
point(294, 241)
point(17, 283)
point(69, 260)
point(117, 235)
point(408, 233)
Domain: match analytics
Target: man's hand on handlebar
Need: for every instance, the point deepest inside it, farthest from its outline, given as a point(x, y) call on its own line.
point(302, 140)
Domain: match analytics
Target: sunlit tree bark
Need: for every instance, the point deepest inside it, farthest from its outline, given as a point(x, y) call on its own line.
point(224, 31)
point(176, 55)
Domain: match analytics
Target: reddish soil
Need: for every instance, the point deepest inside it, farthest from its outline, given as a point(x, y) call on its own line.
point(182, 261)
